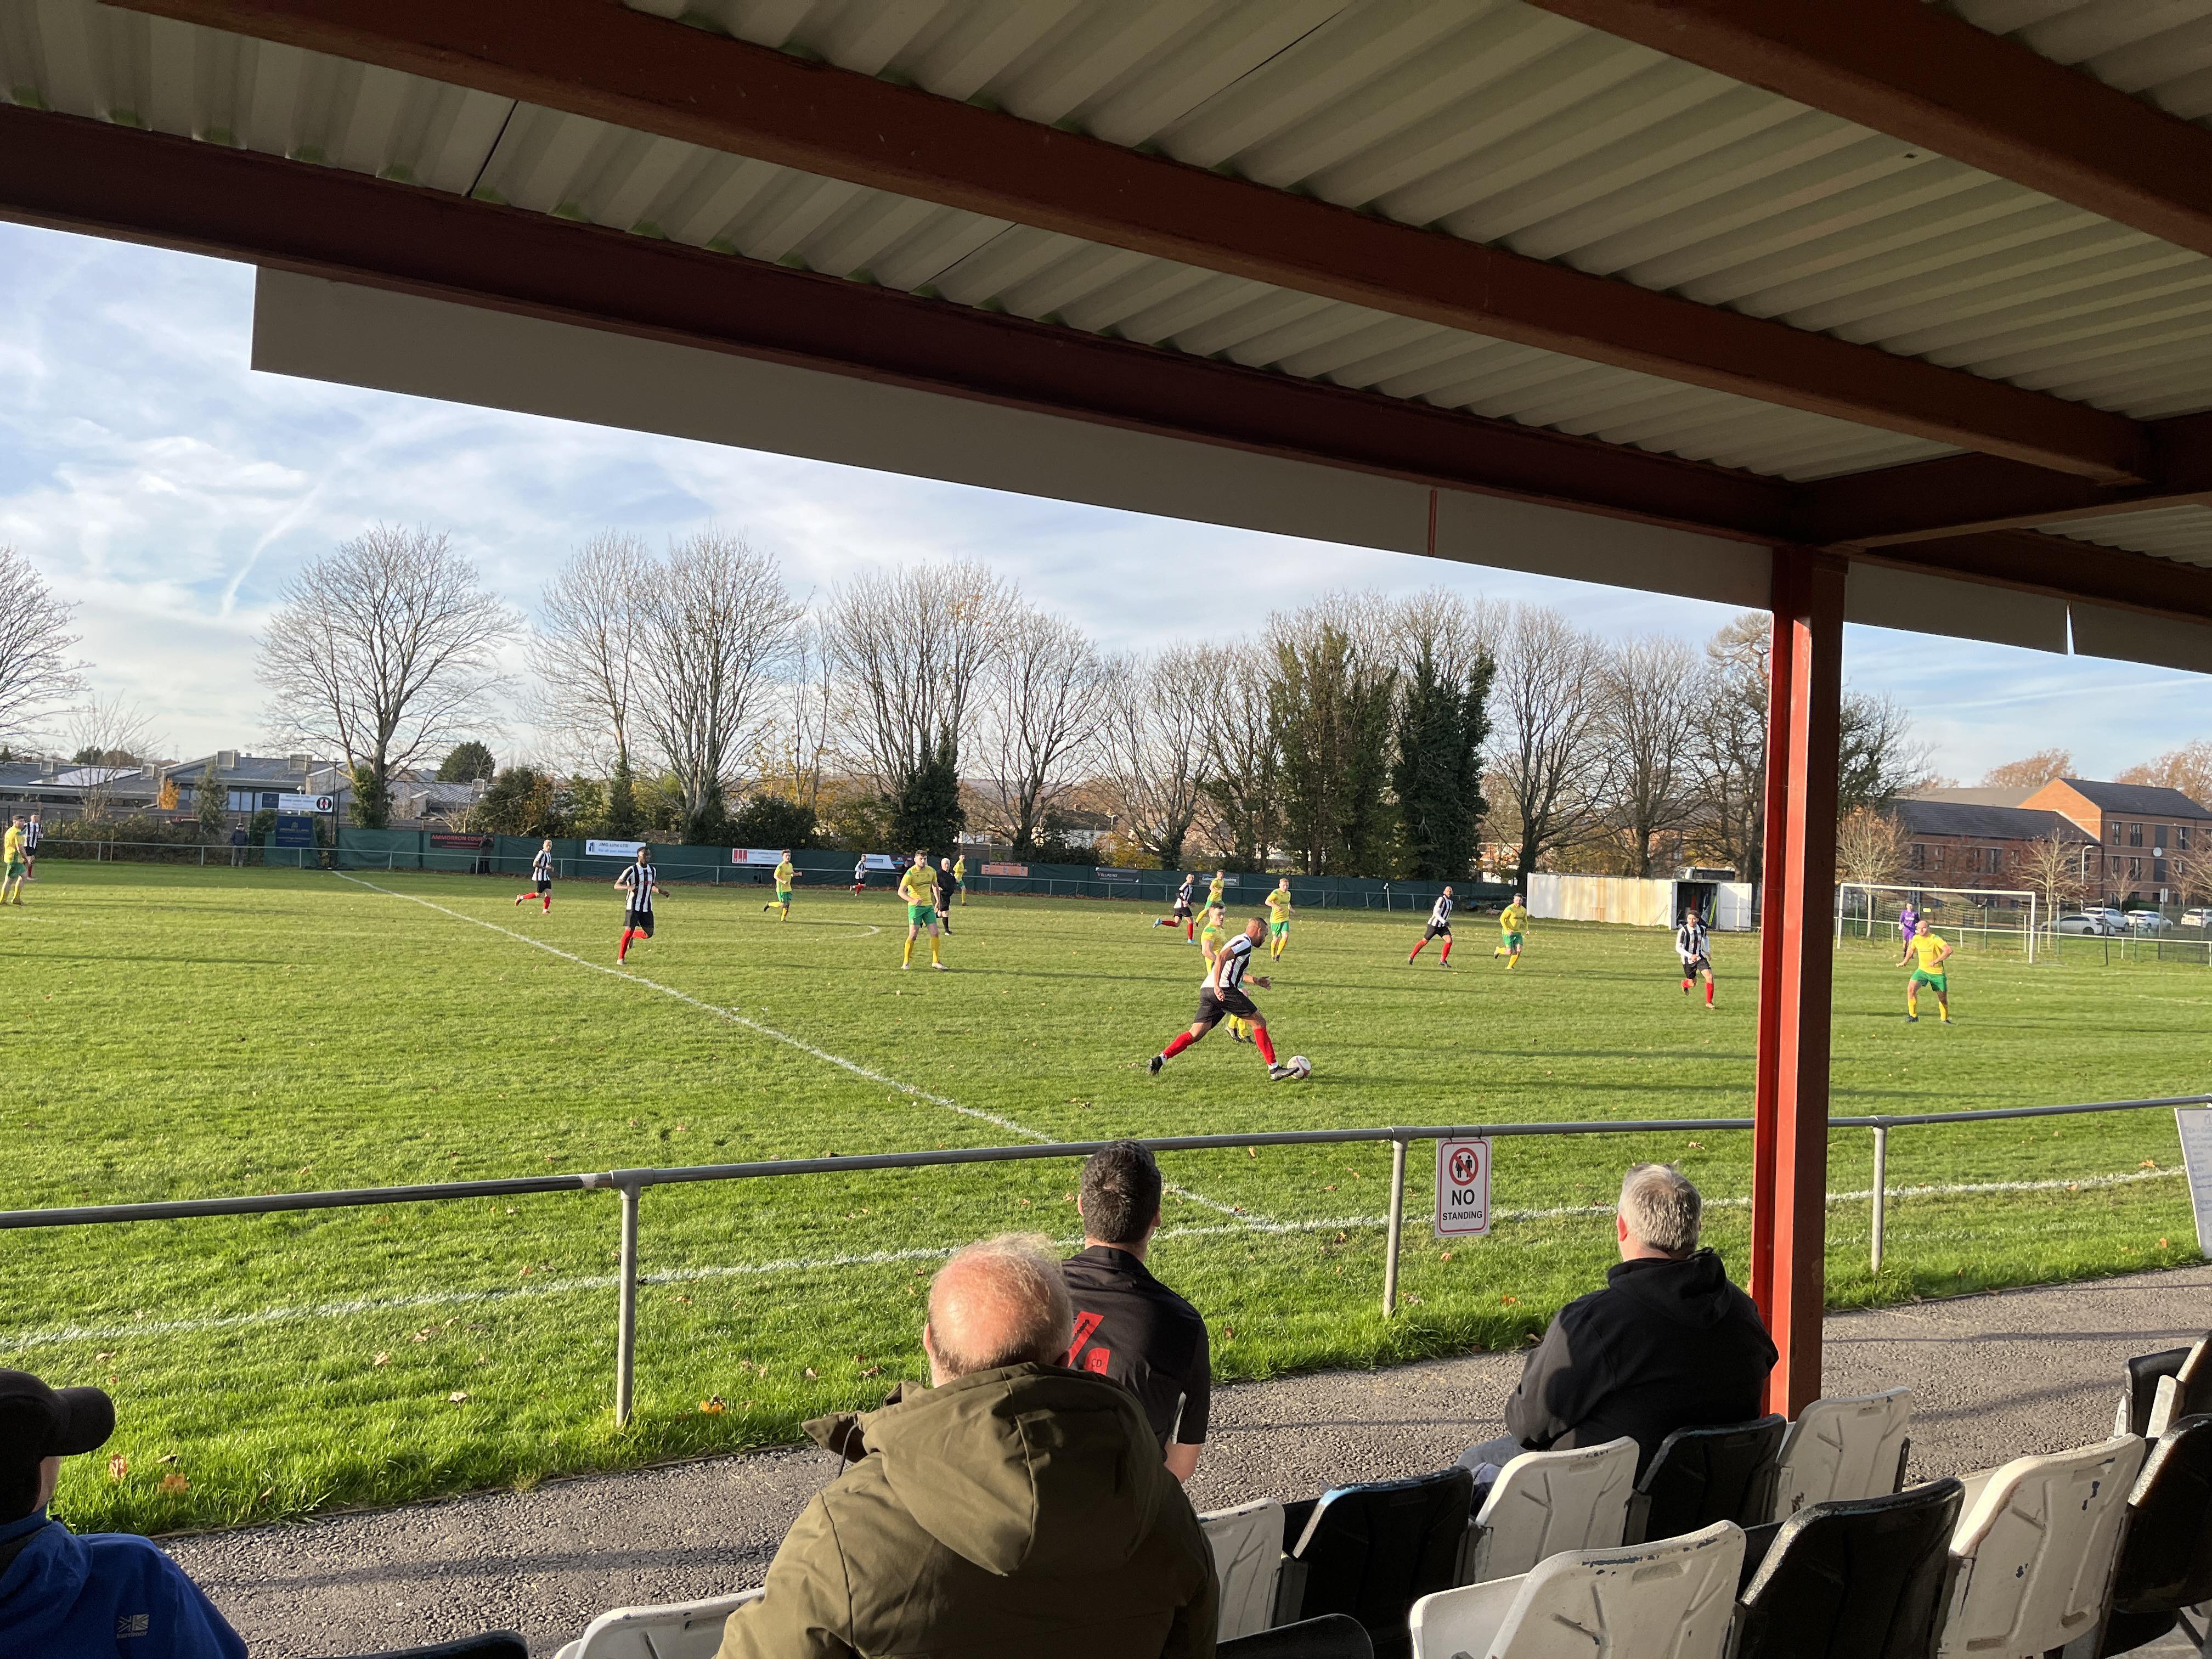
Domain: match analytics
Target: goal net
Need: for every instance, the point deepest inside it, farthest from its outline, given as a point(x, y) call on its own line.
point(1971, 918)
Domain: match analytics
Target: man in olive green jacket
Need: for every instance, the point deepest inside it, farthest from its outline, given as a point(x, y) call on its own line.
point(1015, 1507)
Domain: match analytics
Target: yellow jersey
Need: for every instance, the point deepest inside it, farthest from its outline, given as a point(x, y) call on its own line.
point(1213, 890)
point(1278, 905)
point(1929, 949)
point(960, 868)
point(1513, 918)
point(11, 846)
point(918, 884)
point(1211, 939)
point(784, 873)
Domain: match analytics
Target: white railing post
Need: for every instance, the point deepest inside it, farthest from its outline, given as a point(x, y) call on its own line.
point(626, 1309)
point(1880, 1188)
point(1397, 1229)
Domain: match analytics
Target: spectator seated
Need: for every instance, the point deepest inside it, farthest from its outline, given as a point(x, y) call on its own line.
point(1544, 1502)
point(1248, 1560)
point(2166, 1561)
point(1729, 1473)
point(674, 1629)
point(1857, 1578)
point(1669, 1600)
point(1848, 1447)
point(1334, 1636)
point(1371, 1551)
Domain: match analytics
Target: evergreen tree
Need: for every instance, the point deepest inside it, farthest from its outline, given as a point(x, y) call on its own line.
point(372, 795)
point(774, 821)
point(926, 813)
point(1328, 712)
point(466, 763)
point(1442, 727)
point(210, 802)
point(622, 803)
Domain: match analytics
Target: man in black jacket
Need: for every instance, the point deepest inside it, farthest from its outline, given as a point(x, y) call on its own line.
point(1668, 1344)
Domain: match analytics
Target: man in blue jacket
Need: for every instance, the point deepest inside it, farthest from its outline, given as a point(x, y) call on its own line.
point(107, 1596)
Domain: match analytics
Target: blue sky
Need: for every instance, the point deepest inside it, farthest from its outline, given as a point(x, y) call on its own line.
point(169, 492)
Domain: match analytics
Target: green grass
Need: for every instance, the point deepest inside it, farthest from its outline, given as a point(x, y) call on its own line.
point(178, 1032)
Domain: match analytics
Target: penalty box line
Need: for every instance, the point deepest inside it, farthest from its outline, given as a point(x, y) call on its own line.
point(360, 1305)
point(770, 1031)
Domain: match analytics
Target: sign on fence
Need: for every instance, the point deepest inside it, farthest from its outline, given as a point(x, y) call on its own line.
point(1131, 876)
point(2195, 1124)
point(1462, 1189)
point(612, 849)
point(1006, 869)
point(456, 842)
point(294, 830)
point(882, 861)
point(306, 804)
point(752, 855)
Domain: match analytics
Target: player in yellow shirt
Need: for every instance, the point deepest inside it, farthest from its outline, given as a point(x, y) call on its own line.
point(13, 869)
point(960, 877)
point(1278, 918)
point(918, 887)
point(1926, 951)
point(1215, 888)
point(786, 874)
point(1512, 928)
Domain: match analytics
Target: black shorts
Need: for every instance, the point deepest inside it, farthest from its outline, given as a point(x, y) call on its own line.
point(639, 921)
point(1697, 965)
point(1182, 909)
point(543, 886)
point(1214, 1007)
point(1437, 931)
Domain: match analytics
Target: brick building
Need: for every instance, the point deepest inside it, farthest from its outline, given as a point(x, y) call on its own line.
point(2141, 830)
point(1975, 843)
point(2130, 835)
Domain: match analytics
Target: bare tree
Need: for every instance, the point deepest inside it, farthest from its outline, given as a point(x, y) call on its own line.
point(1879, 758)
point(386, 650)
point(909, 647)
point(1155, 745)
point(1649, 717)
point(1870, 847)
point(1729, 745)
point(717, 625)
point(795, 753)
point(2188, 768)
point(36, 673)
point(1241, 761)
point(1453, 632)
point(109, 738)
point(1043, 713)
point(2053, 869)
point(1547, 697)
point(2031, 771)
point(2191, 870)
point(583, 652)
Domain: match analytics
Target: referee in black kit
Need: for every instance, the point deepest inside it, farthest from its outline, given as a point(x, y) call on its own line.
point(1128, 1326)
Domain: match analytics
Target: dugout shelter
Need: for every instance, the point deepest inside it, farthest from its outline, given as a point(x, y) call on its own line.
point(1893, 312)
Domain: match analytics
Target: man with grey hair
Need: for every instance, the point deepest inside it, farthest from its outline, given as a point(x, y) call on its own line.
point(1014, 1506)
point(1668, 1344)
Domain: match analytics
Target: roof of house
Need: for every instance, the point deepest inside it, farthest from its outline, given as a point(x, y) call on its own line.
point(1982, 822)
point(247, 769)
point(1979, 795)
point(2147, 800)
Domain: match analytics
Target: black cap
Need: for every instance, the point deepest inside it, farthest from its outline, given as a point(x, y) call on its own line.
point(36, 1422)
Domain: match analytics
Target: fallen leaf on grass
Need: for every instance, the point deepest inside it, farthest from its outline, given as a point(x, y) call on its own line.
point(459, 1396)
point(2163, 1245)
point(1446, 1257)
point(167, 1457)
point(117, 1467)
point(810, 1373)
point(713, 1407)
point(873, 1371)
point(381, 1360)
point(2147, 1163)
point(1510, 1301)
point(175, 1483)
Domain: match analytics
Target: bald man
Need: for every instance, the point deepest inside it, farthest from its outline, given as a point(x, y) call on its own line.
point(1014, 1506)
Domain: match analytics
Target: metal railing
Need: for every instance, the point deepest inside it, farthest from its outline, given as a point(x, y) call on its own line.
point(630, 1184)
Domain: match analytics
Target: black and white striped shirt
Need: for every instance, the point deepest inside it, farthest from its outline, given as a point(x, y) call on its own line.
point(639, 879)
point(1440, 912)
point(540, 867)
point(32, 831)
point(1689, 941)
point(1229, 963)
point(1184, 892)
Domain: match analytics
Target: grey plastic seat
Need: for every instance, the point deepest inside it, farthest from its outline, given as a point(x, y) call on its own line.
point(1544, 1503)
point(493, 1645)
point(2165, 1560)
point(1858, 1578)
point(2032, 1559)
point(674, 1629)
point(1727, 1471)
point(1333, 1636)
point(1672, 1599)
point(1248, 1559)
point(1853, 1447)
point(2139, 1388)
point(1372, 1551)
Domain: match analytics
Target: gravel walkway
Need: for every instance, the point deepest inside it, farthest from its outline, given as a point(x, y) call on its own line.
point(1993, 1377)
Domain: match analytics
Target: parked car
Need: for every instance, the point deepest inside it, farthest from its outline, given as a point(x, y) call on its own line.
point(2099, 923)
point(2110, 913)
point(2197, 918)
point(2147, 922)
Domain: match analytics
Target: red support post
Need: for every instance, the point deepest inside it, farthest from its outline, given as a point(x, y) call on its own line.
point(1796, 964)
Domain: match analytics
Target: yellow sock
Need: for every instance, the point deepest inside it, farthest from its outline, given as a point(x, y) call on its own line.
point(1513, 961)
point(932, 947)
point(910, 951)
point(1912, 1005)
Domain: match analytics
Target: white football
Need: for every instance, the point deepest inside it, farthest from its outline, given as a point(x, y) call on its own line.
point(1301, 1066)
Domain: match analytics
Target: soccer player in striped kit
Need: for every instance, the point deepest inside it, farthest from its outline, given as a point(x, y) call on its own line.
point(541, 880)
point(638, 882)
point(1439, 927)
point(1692, 946)
point(1182, 918)
point(1221, 996)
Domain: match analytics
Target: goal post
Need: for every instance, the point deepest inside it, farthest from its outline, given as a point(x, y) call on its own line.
point(2001, 918)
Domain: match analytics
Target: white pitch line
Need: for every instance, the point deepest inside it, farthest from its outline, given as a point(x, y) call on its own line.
point(360, 1305)
point(800, 1044)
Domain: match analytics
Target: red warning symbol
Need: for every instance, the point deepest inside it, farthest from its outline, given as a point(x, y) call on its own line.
point(1465, 1166)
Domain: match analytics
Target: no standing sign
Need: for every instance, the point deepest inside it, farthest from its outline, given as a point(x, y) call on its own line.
point(1462, 1189)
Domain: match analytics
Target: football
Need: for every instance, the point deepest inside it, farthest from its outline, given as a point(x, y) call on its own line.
point(1301, 1066)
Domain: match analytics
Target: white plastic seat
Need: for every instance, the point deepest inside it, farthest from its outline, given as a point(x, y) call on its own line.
point(2187, 1393)
point(1544, 1502)
point(675, 1630)
point(2035, 1549)
point(1669, 1600)
point(1247, 1557)
point(1844, 1448)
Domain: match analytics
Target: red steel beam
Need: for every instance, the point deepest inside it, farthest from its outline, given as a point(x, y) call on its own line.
point(76, 174)
point(1915, 72)
point(1790, 1139)
point(597, 58)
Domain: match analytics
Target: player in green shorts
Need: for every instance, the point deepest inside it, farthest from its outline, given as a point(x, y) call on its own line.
point(786, 874)
point(13, 868)
point(1512, 927)
point(918, 887)
point(1927, 951)
point(1278, 918)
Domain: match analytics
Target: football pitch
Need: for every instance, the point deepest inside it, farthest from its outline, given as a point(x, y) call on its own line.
point(180, 1032)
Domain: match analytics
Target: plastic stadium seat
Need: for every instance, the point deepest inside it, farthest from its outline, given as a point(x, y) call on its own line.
point(2139, 1388)
point(2187, 1393)
point(493, 1645)
point(1698, 1476)
point(1859, 1579)
point(1671, 1600)
point(1372, 1551)
point(1847, 1448)
point(675, 1630)
point(2166, 1560)
point(2033, 1556)
point(1336, 1635)
point(1546, 1502)
point(1248, 1559)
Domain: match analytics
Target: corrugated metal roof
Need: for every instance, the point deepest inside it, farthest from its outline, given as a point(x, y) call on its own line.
point(2182, 533)
point(1484, 118)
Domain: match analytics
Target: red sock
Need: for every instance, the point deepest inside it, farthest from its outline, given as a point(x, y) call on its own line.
point(624, 951)
point(1415, 951)
point(1447, 951)
point(1267, 1044)
point(548, 909)
point(1183, 1040)
point(1709, 993)
point(1189, 928)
